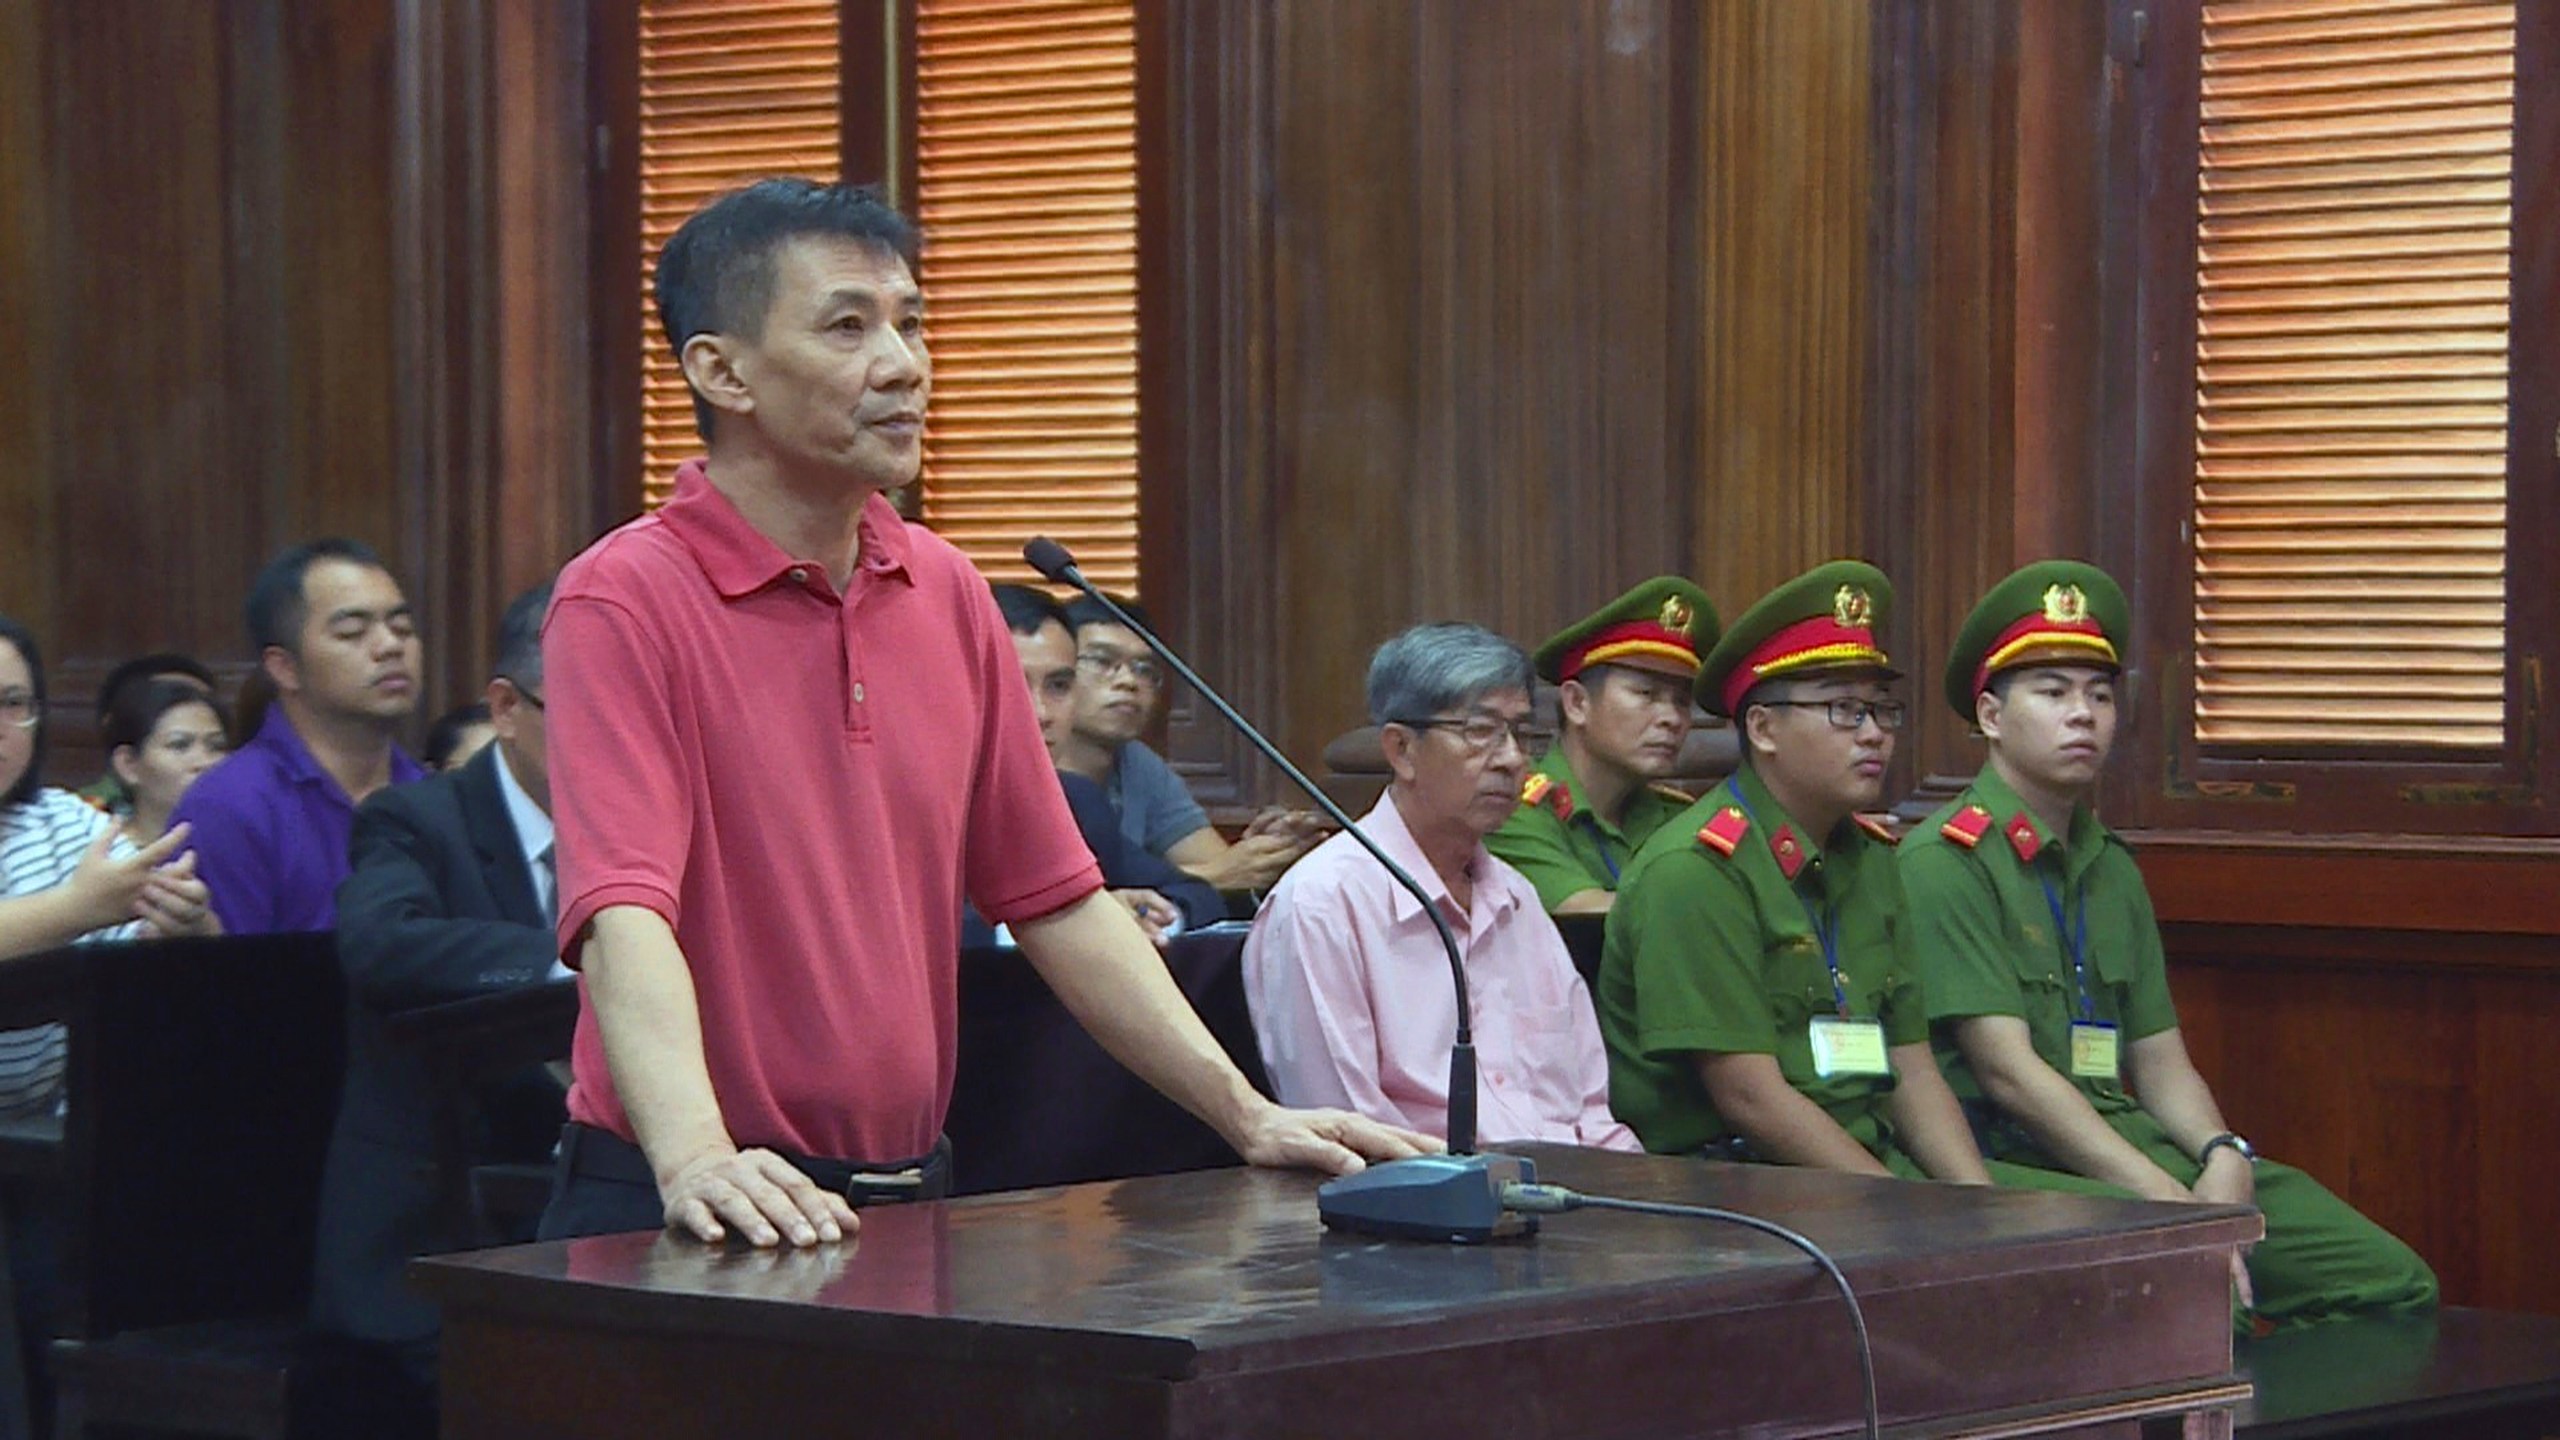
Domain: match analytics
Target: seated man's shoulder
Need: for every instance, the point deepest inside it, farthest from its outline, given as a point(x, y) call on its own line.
point(422, 802)
point(1706, 837)
point(1322, 881)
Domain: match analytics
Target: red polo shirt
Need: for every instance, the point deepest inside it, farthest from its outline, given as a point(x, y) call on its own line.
point(805, 785)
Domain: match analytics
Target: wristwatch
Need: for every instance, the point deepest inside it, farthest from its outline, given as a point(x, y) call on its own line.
point(2245, 1150)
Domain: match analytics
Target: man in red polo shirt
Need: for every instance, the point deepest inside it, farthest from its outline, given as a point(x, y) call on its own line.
point(789, 739)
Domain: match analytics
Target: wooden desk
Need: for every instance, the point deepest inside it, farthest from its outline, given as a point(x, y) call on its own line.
point(1214, 1304)
point(2483, 1375)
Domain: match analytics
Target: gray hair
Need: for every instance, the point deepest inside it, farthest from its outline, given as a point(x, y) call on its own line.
point(1432, 668)
point(520, 636)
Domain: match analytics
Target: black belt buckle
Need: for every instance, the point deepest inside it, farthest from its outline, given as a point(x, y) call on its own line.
point(893, 1187)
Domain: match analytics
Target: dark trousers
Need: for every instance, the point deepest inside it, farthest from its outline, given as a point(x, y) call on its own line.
point(602, 1183)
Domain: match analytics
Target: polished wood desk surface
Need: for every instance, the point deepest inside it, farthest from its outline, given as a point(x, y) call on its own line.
point(1980, 1299)
point(2456, 1372)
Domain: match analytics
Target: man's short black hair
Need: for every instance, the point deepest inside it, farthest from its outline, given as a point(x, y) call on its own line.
point(715, 276)
point(149, 667)
point(1085, 610)
point(25, 639)
point(276, 608)
point(1028, 609)
point(520, 638)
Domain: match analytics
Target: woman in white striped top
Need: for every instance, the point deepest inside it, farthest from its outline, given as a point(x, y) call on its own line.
point(65, 874)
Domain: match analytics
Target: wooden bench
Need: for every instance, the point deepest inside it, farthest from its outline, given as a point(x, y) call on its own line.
point(2475, 1374)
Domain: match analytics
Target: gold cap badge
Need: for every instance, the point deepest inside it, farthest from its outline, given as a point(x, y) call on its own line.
point(1852, 606)
point(2066, 604)
point(1676, 615)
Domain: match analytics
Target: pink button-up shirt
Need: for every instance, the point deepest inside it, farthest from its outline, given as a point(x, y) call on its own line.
point(1353, 1007)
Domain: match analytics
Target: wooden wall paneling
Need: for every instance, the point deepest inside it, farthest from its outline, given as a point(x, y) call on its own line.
point(340, 290)
point(26, 313)
point(544, 499)
point(1204, 438)
point(1347, 269)
point(496, 406)
point(1548, 341)
point(2403, 1071)
point(1941, 508)
point(617, 323)
point(141, 520)
point(443, 270)
point(1784, 213)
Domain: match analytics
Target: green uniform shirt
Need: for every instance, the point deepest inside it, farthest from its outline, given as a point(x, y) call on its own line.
point(1988, 945)
point(1565, 847)
point(1716, 954)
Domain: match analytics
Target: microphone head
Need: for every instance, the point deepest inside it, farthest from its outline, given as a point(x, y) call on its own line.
point(1052, 561)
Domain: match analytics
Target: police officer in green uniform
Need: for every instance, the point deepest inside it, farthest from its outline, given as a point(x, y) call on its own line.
point(1623, 678)
point(2046, 985)
point(1756, 988)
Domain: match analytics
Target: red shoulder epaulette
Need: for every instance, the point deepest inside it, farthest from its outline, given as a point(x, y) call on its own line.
point(1724, 831)
point(1534, 789)
point(1967, 826)
point(1878, 830)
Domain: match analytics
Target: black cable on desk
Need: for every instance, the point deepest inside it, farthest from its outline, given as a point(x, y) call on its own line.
point(1556, 1199)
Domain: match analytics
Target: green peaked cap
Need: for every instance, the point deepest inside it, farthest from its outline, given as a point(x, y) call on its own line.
point(1824, 619)
point(1664, 624)
point(2053, 612)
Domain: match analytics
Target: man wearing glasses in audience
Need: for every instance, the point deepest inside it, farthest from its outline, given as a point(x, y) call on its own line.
point(1756, 987)
point(1346, 975)
point(1119, 685)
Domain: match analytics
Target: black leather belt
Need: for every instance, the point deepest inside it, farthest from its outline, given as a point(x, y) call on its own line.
point(597, 1154)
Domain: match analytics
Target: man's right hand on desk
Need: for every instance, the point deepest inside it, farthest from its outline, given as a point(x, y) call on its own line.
point(757, 1193)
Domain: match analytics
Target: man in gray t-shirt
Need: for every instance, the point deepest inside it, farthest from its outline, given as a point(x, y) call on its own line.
point(1119, 684)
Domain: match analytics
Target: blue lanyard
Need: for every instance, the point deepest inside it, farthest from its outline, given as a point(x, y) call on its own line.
point(2074, 935)
point(1825, 921)
point(1601, 843)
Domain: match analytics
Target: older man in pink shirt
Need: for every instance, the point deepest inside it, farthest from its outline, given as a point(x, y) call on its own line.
point(1349, 983)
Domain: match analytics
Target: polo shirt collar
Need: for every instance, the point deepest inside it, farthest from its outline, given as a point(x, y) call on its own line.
point(740, 560)
point(1385, 824)
point(277, 736)
point(293, 757)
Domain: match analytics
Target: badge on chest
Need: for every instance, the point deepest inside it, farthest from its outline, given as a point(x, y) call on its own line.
point(1848, 1047)
point(2094, 1052)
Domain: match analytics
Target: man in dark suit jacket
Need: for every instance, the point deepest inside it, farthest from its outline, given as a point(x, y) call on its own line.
point(450, 898)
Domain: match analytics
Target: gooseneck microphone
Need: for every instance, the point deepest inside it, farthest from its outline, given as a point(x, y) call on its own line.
point(1457, 1196)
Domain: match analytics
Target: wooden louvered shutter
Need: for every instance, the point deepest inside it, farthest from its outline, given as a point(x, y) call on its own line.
point(1027, 189)
point(730, 91)
point(2353, 310)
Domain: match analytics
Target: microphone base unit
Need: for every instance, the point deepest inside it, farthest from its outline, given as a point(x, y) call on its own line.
point(1444, 1199)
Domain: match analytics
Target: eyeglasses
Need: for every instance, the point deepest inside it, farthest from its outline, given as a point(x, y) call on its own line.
point(1849, 712)
point(1480, 733)
point(531, 696)
point(18, 708)
point(1104, 666)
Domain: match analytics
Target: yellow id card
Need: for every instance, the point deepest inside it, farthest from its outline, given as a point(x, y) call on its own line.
point(2093, 1050)
point(1848, 1047)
